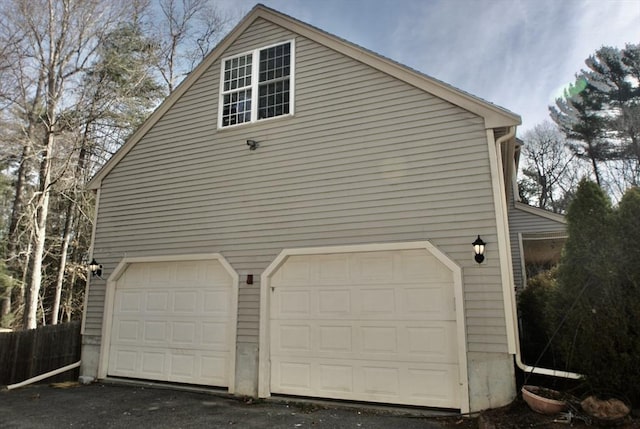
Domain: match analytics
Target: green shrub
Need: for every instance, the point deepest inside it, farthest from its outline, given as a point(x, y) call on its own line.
point(533, 310)
point(594, 312)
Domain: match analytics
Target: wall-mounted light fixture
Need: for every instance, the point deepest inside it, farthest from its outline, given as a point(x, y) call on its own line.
point(95, 268)
point(253, 145)
point(478, 248)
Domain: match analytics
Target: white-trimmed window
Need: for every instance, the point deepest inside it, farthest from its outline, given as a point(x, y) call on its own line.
point(257, 85)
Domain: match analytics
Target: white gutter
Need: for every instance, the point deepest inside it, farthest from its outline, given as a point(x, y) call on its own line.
point(513, 310)
point(43, 376)
point(502, 231)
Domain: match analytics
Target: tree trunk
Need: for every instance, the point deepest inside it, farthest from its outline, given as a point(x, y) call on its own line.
point(66, 238)
point(596, 171)
point(40, 235)
point(67, 308)
point(5, 303)
point(18, 207)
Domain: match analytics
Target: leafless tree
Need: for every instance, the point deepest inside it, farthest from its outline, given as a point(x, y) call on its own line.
point(54, 42)
point(550, 170)
point(186, 30)
point(76, 78)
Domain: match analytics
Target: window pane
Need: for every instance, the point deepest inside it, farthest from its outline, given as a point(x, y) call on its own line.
point(236, 107)
point(273, 99)
point(275, 62)
point(237, 73)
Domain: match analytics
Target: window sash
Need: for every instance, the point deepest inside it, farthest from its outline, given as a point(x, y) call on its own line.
point(257, 85)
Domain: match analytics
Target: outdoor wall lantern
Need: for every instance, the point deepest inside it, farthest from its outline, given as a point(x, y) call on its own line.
point(95, 268)
point(478, 248)
point(253, 145)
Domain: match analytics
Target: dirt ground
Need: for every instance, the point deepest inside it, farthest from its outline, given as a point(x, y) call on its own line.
point(519, 415)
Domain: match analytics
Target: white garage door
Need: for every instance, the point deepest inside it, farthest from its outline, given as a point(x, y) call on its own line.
point(369, 326)
point(172, 321)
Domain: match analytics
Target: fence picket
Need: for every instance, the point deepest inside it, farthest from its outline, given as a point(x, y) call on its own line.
point(25, 354)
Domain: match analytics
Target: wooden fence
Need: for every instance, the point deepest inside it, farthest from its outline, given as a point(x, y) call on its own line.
point(25, 354)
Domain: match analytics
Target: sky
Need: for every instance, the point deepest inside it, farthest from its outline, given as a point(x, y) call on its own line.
point(518, 54)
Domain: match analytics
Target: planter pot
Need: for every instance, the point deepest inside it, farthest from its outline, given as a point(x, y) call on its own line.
point(541, 400)
point(606, 412)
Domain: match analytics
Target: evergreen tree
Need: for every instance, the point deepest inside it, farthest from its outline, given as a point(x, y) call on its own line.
point(600, 115)
point(577, 114)
point(595, 306)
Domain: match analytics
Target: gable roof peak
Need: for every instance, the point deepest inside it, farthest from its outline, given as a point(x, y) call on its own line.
point(494, 116)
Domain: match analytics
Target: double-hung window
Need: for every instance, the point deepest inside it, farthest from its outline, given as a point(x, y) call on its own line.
point(257, 85)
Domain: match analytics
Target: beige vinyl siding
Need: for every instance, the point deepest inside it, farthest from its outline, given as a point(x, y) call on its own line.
point(522, 222)
point(365, 159)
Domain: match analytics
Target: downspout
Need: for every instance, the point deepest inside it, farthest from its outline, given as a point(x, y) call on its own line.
point(43, 376)
point(514, 312)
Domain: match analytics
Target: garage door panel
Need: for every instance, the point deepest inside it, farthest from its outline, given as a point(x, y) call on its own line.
point(380, 301)
point(185, 301)
point(184, 333)
point(421, 382)
point(215, 335)
point(379, 339)
point(183, 366)
point(175, 326)
point(178, 365)
point(380, 381)
point(214, 303)
point(365, 340)
point(423, 268)
point(332, 303)
point(409, 384)
point(429, 303)
point(331, 270)
point(334, 378)
point(154, 364)
point(124, 362)
point(400, 302)
point(296, 271)
point(155, 332)
point(294, 338)
point(373, 326)
point(129, 301)
point(293, 303)
point(127, 331)
point(372, 269)
point(157, 301)
point(335, 339)
point(294, 377)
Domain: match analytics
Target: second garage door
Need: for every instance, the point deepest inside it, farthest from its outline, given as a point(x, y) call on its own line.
point(371, 326)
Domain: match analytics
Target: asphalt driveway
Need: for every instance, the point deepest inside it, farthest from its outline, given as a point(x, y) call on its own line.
point(121, 406)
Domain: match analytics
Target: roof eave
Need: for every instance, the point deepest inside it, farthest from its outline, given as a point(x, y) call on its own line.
point(541, 212)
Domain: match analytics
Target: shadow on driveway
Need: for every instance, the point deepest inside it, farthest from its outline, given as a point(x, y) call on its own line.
point(119, 406)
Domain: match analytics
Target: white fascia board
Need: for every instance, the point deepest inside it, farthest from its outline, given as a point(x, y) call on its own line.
point(541, 212)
